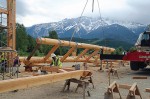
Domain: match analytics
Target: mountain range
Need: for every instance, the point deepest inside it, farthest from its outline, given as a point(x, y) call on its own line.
point(90, 28)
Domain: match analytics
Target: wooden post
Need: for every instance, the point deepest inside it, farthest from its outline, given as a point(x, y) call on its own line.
point(11, 27)
point(11, 23)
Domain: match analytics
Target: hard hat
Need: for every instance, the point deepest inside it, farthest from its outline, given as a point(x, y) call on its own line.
point(53, 55)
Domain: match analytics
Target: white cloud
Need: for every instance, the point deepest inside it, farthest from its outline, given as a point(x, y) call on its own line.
point(31, 12)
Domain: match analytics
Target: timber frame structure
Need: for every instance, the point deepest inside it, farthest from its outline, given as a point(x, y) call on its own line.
point(32, 61)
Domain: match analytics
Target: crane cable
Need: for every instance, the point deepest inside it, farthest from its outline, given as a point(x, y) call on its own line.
point(78, 21)
point(100, 15)
point(93, 6)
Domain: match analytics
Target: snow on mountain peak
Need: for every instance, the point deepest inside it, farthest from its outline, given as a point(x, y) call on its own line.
point(87, 24)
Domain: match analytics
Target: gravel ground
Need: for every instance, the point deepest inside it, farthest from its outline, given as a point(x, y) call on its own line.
point(100, 79)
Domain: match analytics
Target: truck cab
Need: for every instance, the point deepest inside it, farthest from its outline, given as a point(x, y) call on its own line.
point(143, 40)
point(141, 58)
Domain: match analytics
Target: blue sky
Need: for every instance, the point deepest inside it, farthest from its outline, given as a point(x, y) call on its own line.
point(31, 12)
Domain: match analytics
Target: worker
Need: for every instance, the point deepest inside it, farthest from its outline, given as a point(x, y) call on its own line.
point(16, 65)
point(85, 66)
point(56, 61)
point(0, 61)
point(3, 61)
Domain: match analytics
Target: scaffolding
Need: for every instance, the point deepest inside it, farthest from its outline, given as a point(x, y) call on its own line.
point(7, 68)
point(7, 39)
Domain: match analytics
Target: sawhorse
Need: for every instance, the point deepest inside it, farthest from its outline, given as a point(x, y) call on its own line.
point(80, 83)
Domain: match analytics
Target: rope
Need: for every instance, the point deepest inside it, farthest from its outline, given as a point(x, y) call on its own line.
point(93, 6)
point(101, 19)
point(79, 20)
point(59, 42)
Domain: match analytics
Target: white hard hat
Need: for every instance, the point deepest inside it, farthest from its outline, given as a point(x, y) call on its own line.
point(53, 55)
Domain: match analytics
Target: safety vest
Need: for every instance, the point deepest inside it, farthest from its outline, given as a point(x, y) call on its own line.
point(2, 57)
point(57, 62)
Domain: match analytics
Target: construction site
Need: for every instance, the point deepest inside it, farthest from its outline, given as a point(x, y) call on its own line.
point(98, 75)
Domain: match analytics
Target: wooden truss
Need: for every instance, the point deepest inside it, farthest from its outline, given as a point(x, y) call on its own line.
point(31, 61)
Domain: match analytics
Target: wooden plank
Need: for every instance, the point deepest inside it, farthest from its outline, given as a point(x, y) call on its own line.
point(61, 70)
point(124, 86)
point(112, 85)
point(133, 87)
point(68, 69)
point(147, 89)
point(50, 69)
point(3, 11)
point(139, 77)
point(26, 82)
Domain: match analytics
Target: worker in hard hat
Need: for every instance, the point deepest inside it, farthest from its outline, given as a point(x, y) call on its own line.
point(56, 61)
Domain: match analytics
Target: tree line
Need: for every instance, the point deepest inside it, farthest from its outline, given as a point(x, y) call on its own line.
point(26, 43)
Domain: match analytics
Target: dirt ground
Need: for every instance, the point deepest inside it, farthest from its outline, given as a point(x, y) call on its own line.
point(100, 79)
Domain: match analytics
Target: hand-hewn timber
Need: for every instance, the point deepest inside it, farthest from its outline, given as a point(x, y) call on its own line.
point(21, 83)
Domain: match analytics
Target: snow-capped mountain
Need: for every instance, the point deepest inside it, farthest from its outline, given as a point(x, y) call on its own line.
point(87, 27)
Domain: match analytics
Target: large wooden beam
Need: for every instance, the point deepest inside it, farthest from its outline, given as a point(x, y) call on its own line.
point(41, 60)
point(48, 41)
point(21, 83)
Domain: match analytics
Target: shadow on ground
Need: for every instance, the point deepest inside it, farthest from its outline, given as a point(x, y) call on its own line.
point(143, 72)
